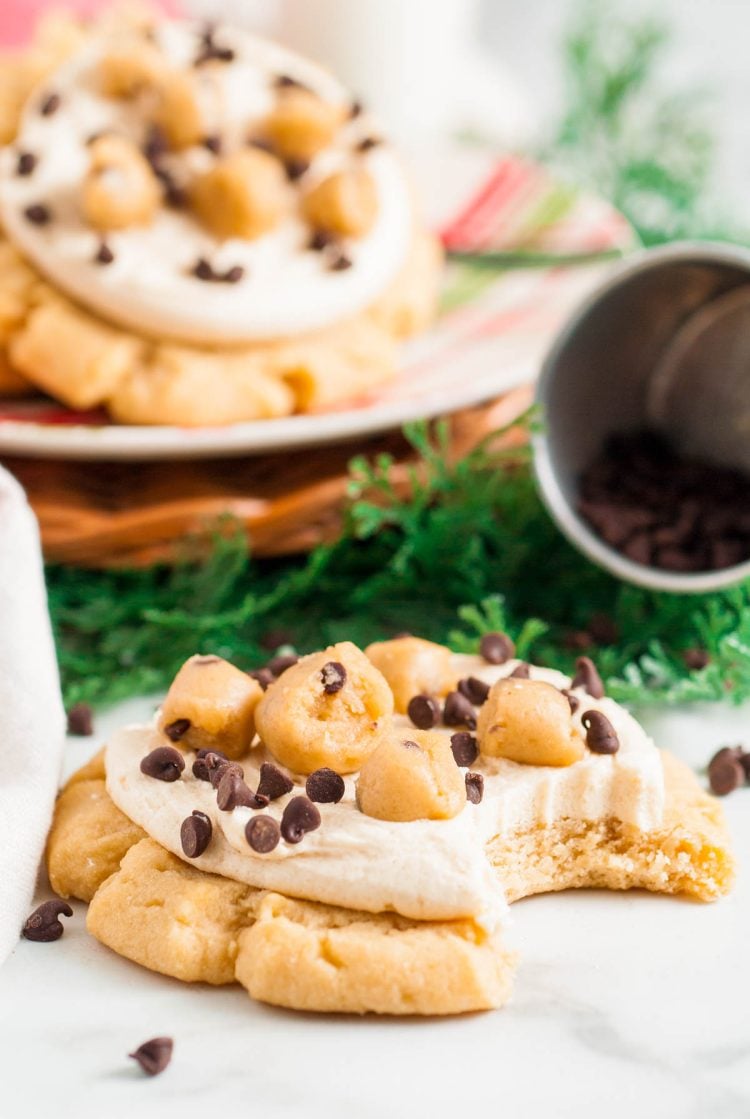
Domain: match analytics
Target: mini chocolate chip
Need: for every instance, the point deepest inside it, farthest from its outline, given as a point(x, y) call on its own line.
point(409, 744)
point(164, 763)
point(155, 145)
point(263, 676)
point(212, 144)
point(195, 834)
point(234, 274)
point(232, 792)
point(520, 672)
point(355, 109)
point(424, 711)
point(262, 833)
point(457, 711)
point(696, 659)
point(26, 164)
point(260, 143)
point(601, 736)
point(274, 782)
point(333, 676)
point(281, 663)
point(726, 771)
point(216, 770)
point(50, 105)
point(296, 168)
point(475, 690)
point(745, 763)
point(319, 240)
point(44, 925)
point(339, 263)
point(496, 648)
point(474, 787)
point(211, 53)
point(325, 786)
point(38, 214)
point(80, 720)
point(104, 254)
point(573, 700)
point(177, 730)
point(464, 747)
point(368, 143)
point(300, 816)
point(206, 762)
point(588, 678)
point(154, 1055)
point(285, 81)
point(202, 270)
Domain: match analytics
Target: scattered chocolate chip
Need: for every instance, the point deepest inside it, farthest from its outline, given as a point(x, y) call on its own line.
point(333, 676)
point(465, 748)
point(457, 711)
point(355, 109)
point(26, 164)
point(696, 659)
point(155, 145)
point(80, 720)
point(154, 1055)
point(177, 730)
point(496, 648)
point(577, 640)
point(281, 663)
point(195, 834)
point(601, 736)
point(325, 786)
point(216, 770)
point(174, 195)
point(300, 816)
point(424, 711)
point(212, 144)
point(275, 638)
point(232, 792)
point(339, 263)
point(274, 782)
point(164, 763)
point(233, 275)
point(262, 833)
point(726, 771)
point(588, 678)
point(475, 690)
point(285, 81)
point(572, 699)
point(474, 787)
point(38, 214)
point(44, 925)
point(104, 254)
point(204, 270)
point(209, 52)
point(50, 105)
point(603, 629)
point(409, 744)
point(264, 677)
point(745, 763)
point(206, 762)
point(520, 672)
point(296, 168)
point(368, 143)
point(319, 240)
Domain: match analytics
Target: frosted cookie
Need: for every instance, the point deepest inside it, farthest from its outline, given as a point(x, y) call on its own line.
point(373, 877)
point(224, 234)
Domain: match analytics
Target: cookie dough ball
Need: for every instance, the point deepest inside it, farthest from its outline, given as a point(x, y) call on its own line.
point(307, 719)
point(120, 189)
point(127, 70)
point(528, 721)
point(302, 124)
point(412, 776)
point(243, 195)
point(413, 666)
point(189, 107)
point(211, 705)
point(344, 203)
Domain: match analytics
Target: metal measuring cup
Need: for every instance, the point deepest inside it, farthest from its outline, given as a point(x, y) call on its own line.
point(663, 344)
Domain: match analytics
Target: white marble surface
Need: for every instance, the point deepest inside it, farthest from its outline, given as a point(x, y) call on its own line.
point(624, 1005)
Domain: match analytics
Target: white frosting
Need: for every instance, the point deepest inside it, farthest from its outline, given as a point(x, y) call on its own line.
point(426, 869)
point(285, 289)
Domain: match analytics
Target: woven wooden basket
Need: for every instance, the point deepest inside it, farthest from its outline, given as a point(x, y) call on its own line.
point(136, 514)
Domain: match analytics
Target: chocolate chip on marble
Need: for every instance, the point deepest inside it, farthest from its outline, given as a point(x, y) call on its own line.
point(177, 730)
point(164, 763)
point(474, 787)
point(496, 648)
point(274, 782)
point(26, 164)
point(38, 214)
point(601, 736)
point(333, 675)
point(80, 720)
point(325, 786)
point(475, 690)
point(195, 834)
point(300, 817)
point(232, 792)
point(104, 254)
point(264, 677)
point(262, 833)
point(726, 771)
point(573, 700)
point(588, 678)
point(464, 747)
point(44, 924)
point(280, 664)
point(424, 711)
point(206, 762)
point(50, 104)
point(154, 1055)
point(520, 672)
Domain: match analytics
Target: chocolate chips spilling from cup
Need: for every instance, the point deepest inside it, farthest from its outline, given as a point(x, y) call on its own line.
point(662, 510)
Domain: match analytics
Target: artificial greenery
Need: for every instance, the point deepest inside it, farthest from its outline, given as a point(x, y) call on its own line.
point(469, 549)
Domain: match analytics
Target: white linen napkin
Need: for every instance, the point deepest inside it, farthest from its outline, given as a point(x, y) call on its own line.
point(32, 718)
